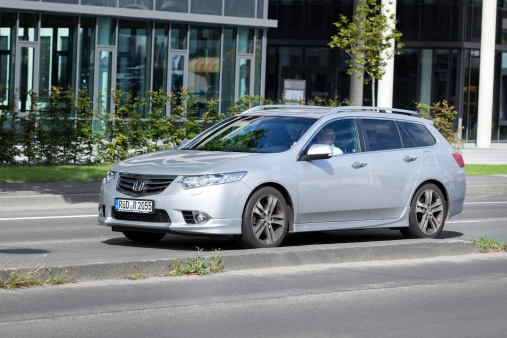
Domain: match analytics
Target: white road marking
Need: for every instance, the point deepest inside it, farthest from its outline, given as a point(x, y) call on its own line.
point(478, 221)
point(45, 217)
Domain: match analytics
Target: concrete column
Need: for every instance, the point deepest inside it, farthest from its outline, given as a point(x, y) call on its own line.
point(487, 71)
point(385, 86)
point(356, 78)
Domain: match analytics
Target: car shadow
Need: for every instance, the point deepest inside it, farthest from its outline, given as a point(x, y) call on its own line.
point(180, 242)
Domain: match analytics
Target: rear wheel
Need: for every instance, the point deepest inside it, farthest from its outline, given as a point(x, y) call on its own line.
point(428, 212)
point(265, 219)
point(144, 237)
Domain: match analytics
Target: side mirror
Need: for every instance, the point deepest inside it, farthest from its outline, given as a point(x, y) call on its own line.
point(319, 152)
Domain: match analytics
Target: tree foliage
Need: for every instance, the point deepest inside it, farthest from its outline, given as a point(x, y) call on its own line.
point(367, 39)
point(443, 117)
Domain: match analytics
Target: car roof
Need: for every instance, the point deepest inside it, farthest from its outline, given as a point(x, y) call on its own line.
point(318, 112)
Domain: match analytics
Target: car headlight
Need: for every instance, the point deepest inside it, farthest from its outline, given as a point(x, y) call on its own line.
point(111, 175)
point(213, 179)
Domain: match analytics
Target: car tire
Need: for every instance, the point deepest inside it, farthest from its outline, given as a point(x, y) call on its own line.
point(144, 237)
point(428, 212)
point(265, 219)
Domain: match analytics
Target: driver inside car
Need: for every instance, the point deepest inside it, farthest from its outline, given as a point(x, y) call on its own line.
point(327, 136)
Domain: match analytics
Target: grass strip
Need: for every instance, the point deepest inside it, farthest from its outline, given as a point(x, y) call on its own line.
point(11, 174)
point(197, 266)
point(484, 169)
point(22, 278)
point(488, 244)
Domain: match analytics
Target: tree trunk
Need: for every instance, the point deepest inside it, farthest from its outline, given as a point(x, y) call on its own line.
point(373, 91)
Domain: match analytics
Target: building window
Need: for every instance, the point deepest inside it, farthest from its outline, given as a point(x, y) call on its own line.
point(28, 24)
point(204, 63)
point(132, 72)
point(160, 56)
point(57, 53)
point(87, 55)
point(241, 8)
point(228, 69)
point(210, 7)
point(178, 6)
point(7, 46)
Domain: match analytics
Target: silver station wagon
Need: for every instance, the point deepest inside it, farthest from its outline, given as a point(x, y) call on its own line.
point(274, 170)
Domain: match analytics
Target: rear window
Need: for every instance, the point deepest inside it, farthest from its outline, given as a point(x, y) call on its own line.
point(418, 134)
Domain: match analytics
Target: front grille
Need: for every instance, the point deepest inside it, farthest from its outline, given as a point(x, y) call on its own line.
point(143, 185)
point(159, 216)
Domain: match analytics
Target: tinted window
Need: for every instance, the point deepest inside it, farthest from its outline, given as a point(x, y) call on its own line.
point(405, 138)
point(254, 134)
point(419, 134)
point(382, 134)
point(341, 135)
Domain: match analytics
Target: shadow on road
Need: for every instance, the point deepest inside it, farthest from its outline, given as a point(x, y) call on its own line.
point(178, 242)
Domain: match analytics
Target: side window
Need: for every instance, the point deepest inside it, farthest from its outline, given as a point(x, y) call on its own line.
point(405, 138)
point(419, 134)
point(382, 134)
point(341, 135)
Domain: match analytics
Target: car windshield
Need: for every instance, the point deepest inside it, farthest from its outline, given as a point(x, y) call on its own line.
point(254, 134)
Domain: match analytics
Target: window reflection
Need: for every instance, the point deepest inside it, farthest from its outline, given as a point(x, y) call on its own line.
point(133, 59)
point(7, 35)
point(57, 53)
point(204, 63)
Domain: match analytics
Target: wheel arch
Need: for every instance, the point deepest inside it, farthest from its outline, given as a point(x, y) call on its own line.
point(285, 194)
point(441, 187)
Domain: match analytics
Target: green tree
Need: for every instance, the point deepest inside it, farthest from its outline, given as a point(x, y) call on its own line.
point(367, 39)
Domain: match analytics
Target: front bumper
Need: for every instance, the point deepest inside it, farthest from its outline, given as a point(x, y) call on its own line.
point(224, 203)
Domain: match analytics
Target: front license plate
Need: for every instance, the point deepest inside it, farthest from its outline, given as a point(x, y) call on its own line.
point(142, 206)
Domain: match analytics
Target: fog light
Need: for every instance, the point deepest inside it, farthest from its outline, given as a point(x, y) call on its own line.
point(201, 217)
point(102, 210)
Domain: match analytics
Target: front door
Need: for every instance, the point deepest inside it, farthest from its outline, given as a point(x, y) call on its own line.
point(335, 189)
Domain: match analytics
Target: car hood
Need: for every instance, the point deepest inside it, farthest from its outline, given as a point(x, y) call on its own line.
point(179, 162)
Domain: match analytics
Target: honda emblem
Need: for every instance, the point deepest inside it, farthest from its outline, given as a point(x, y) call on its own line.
point(138, 186)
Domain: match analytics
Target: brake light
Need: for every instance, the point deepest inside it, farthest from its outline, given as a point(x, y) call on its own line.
point(459, 159)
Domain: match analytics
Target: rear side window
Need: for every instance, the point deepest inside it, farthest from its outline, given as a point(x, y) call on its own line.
point(382, 134)
point(419, 134)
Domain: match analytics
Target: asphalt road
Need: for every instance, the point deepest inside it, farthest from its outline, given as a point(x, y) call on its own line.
point(447, 297)
point(48, 234)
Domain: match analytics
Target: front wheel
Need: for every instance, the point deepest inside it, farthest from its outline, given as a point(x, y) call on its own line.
point(265, 219)
point(428, 212)
point(144, 237)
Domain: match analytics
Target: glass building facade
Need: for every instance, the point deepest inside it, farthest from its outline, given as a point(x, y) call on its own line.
point(215, 49)
point(228, 48)
point(440, 59)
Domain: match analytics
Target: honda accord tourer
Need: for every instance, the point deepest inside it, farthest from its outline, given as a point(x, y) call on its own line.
point(274, 170)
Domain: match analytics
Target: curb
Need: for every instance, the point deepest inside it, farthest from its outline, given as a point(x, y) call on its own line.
point(476, 190)
point(48, 199)
point(278, 257)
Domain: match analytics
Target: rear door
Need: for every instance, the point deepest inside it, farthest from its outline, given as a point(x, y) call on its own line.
point(394, 169)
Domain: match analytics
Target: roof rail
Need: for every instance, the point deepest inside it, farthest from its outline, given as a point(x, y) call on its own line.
point(330, 110)
point(379, 109)
point(284, 106)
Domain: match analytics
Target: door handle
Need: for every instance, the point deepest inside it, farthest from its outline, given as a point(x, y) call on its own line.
point(357, 165)
point(409, 159)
